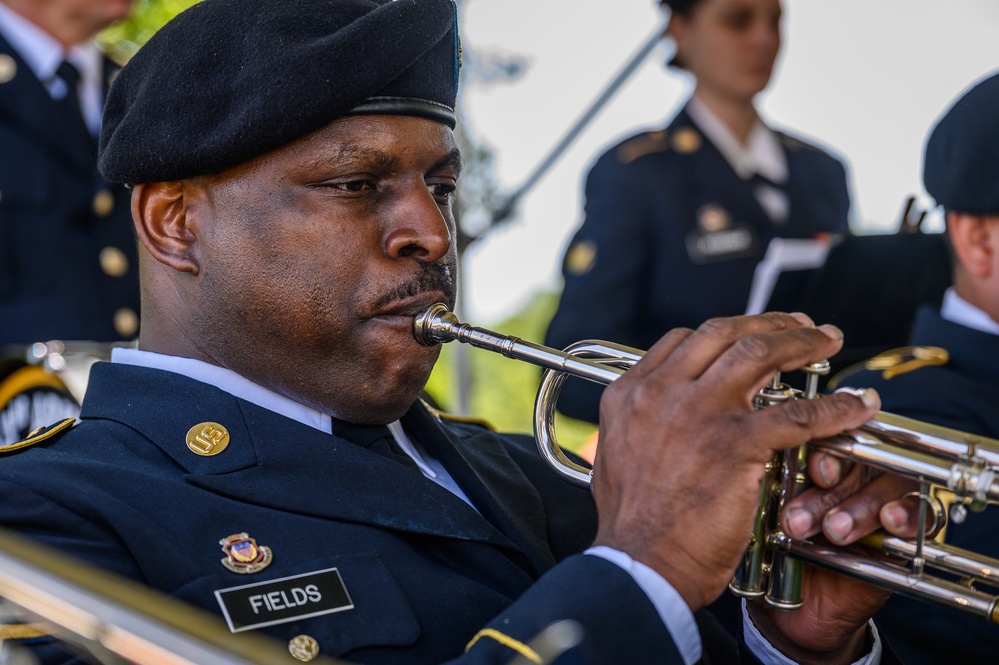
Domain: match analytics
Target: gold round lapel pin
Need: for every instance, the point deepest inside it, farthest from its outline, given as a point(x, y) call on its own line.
point(207, 439)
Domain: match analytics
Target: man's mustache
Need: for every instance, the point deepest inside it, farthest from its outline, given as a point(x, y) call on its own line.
point(432, 277)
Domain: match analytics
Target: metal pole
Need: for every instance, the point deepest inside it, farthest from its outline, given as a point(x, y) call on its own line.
point(508, 206)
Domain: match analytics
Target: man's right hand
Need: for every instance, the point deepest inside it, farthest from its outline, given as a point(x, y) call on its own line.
point(682, 450)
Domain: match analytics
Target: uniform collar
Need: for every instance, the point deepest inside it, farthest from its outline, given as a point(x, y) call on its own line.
point(227, 381)
point(958, 310)
point(762, 154)
point(241, 387)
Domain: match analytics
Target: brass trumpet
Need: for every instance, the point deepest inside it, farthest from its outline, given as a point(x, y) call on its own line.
point(965, 464)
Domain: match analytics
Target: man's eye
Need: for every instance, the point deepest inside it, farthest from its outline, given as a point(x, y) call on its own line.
point(443, 191)
point(738, 20)
point(353, 185)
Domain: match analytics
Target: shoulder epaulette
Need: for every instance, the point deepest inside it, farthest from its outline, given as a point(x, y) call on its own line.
point(39, 435)
point(896, 362)
point(450, 417)
point(641, 145)
point(794, 143)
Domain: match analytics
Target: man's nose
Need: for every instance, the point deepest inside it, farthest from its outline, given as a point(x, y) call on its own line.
point(766, 35)
point(420, 229)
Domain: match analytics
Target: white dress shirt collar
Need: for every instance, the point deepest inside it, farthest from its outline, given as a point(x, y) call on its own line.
point(763, 152)
point(958, 310)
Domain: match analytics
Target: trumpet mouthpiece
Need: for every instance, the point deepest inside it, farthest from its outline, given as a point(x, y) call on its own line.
point(434, 325)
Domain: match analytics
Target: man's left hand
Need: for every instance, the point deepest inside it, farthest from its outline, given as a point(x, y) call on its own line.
point(846, 504)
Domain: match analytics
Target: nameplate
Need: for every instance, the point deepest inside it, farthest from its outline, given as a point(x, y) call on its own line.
point(287, 599)
point(731, 243)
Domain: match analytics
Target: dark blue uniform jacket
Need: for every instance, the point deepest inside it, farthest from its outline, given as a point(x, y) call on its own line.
point(57, 214)
point(653, 204)
point(964, 395)
point(423, 570)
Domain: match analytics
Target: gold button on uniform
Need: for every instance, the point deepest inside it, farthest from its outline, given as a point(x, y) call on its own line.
point(113, 261)
point(207, 439)
point(126, 322)
point(303, 647)
point(686, 140)
point(580, 257)
point(8, 68)
point(103, 203)
point(712, 217)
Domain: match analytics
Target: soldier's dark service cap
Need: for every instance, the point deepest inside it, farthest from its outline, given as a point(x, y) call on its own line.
point(961, 162)
point(229, 80)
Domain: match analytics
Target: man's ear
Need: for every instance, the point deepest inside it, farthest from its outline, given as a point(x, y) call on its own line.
point(162, 223)
point(677, 30)
point(975, 241)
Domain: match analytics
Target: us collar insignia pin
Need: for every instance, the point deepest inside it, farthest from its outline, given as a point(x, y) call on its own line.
point(243, 555)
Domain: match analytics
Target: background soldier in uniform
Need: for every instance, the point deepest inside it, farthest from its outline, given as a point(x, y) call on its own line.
point(950, 374)
point(677, 219)
point(68, 262)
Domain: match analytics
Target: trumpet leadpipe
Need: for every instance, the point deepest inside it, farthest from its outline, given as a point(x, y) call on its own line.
point(437, 325)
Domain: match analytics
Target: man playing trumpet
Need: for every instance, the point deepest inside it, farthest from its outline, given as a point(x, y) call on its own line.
point(293, 166)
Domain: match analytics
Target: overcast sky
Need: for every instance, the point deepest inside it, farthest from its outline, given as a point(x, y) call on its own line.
point(866, 78)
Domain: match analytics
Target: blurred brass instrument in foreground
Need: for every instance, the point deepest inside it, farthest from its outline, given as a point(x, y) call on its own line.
point(963, 463)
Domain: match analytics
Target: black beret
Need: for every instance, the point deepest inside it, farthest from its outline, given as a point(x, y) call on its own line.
point(229, 80)
point(961, 162)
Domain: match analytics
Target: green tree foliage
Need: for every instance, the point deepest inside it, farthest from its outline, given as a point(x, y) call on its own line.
point(123, 39)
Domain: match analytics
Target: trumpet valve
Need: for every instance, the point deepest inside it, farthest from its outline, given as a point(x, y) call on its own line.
point(775, 393)
point(812, 374)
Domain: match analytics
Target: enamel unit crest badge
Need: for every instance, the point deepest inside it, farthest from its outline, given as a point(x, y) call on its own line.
point(243, 555)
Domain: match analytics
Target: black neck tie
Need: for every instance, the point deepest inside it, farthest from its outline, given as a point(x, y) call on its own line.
point(70, 75)
point(758, 180)
point(377, 439)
